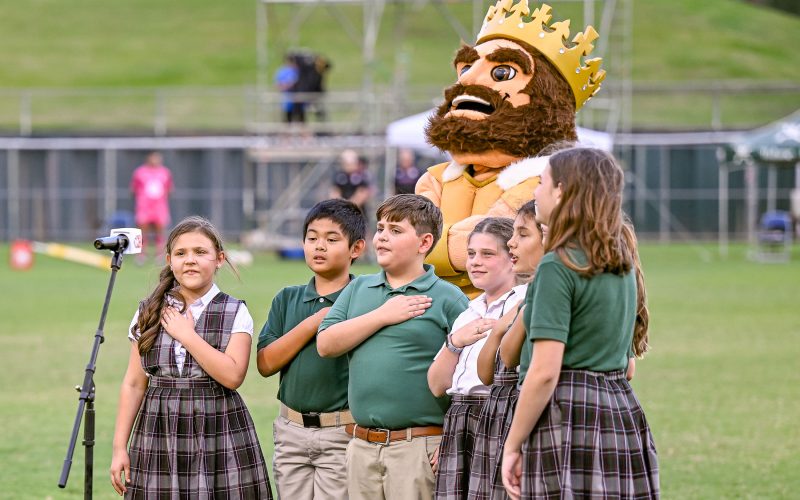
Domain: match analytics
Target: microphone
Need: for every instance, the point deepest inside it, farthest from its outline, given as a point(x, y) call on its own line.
point(126, 240)
point(113, 243)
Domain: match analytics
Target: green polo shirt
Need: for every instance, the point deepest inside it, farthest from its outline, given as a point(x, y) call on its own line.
point(526, 353)
point(309, 383)
point(593, 317)
point(389, 371)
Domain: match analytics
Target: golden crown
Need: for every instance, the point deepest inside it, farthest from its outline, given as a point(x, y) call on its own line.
point(514, 21)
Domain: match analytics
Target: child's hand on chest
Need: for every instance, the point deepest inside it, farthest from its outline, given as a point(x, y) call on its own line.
point(177, 325)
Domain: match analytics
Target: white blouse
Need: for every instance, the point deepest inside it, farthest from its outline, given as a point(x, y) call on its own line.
point(465, 377)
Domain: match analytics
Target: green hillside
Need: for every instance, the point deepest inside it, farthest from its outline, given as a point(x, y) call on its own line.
point(150, 43)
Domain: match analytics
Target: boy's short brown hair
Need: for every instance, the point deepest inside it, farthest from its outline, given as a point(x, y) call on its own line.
point(420, 212)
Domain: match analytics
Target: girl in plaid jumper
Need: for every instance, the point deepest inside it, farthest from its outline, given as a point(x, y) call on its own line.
point(193, 436)
point(578, 430)
point(454, 371)
point(525, 248)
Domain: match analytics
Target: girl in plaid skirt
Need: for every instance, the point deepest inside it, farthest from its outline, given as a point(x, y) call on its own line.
point(525, 248)
point(454, 371)
point(193, 436)
point(578, 430)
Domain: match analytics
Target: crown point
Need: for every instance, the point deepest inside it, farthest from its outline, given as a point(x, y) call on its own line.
point(577, 70)
point(561, 50)
point(541, 35)
point(521, 25)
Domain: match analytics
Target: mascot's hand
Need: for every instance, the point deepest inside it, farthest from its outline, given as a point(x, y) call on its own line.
point(501, 208)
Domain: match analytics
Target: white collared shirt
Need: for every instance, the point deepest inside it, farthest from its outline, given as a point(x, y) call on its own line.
point(465, 377)
point(243, 323)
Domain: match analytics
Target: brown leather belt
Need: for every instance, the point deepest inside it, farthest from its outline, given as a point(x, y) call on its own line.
point(386, 436)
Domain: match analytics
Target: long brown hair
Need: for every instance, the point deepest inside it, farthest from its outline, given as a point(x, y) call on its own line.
point(149, 323)
point(641, 338)
point(589, 214)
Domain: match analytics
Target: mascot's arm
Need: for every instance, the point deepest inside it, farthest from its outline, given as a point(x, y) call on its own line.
point(457, 238)
point(459, 232)
point(430, 188)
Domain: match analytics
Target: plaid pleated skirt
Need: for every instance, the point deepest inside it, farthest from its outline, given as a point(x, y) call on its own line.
point(592, 441)
point(194, 439)
point(494, 421)
point(456, 448)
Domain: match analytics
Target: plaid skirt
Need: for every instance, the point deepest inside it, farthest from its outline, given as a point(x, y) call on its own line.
point(455, 450)
point(486, 481)
point(592, 441)
point(194, 439)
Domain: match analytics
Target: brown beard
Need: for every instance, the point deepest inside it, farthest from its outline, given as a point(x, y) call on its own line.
point(520, 132)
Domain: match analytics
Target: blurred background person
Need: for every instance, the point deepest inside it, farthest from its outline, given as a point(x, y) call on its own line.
point(151, 185)
point(352, 181)
point(312, 69)
point(286, 80)
point(407, 174)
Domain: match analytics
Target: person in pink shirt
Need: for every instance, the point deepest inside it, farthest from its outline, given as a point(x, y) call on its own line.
point(151, 185)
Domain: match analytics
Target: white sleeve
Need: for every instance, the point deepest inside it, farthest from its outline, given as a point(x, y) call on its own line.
point(133, 324)
point(243, 323)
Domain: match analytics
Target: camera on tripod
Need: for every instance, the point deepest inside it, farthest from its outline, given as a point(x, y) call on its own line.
point(125, 239)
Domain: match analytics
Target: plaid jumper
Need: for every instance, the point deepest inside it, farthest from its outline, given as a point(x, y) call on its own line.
point(486, 481)
point(194, 438)
point(592, 441)
point(455, 451)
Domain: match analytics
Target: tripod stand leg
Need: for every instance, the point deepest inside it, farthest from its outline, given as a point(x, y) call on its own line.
point(88, 443)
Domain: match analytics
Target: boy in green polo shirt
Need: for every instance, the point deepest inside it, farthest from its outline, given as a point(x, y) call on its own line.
point(391, 325)
point(310, 441)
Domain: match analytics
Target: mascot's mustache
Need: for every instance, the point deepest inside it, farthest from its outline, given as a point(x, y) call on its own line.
point(493, 97)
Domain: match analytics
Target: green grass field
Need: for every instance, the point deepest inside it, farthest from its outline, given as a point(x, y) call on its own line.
point(147, 44)
point(720, 386)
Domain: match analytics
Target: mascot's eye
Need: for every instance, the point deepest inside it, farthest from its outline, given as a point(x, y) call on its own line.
point(464, 69)
point(503, 73)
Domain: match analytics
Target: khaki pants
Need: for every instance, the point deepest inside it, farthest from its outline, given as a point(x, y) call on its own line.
point(309, 463)
point(399, 471)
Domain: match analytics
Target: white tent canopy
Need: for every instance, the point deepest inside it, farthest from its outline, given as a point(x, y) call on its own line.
point(409, 132)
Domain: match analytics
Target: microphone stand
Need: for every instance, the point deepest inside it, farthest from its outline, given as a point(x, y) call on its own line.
point(87, 396)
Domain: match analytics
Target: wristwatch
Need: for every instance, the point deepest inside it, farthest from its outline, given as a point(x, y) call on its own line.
point(450, 347)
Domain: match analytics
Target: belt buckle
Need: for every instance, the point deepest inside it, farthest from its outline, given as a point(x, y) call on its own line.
point(388, 435)
point(311, 420)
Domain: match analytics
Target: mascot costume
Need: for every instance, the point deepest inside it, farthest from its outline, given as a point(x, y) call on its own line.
point(516, 96)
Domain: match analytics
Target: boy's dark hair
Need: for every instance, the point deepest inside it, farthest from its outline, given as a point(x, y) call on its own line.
point(344, 213)
point(420, 212)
